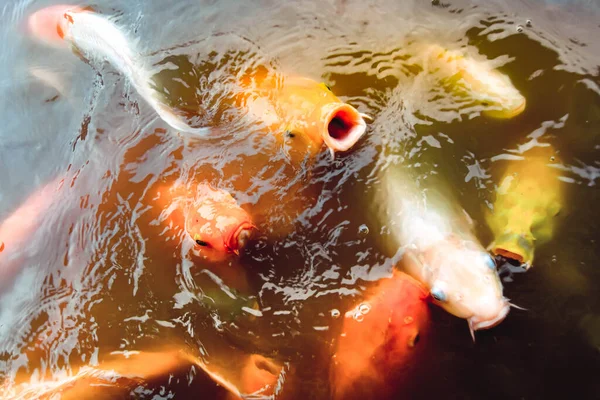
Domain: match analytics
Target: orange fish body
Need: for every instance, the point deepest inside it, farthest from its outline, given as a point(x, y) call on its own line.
point(211, 218)
point(121, 373)
point(18, 227)
point(301, 112)
point(380, 334)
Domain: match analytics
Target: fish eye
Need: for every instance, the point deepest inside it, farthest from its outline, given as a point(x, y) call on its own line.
point(489, 261)
point(438, 294)
point(290, 134)
point(327, 86)
point(201, 243)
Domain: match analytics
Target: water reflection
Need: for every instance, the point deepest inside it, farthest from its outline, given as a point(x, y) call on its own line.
point(100, 274)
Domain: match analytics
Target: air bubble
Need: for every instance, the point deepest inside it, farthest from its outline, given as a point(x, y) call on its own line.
point(364, 308)
point(335, 313)
point(519, 28)
point(363, 230)
point(358, 317)
point(552, 158)
point(554, 259)
point(528, 23)
point(408, 320)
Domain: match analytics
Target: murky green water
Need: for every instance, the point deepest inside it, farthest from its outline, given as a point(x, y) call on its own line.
point(99, 274)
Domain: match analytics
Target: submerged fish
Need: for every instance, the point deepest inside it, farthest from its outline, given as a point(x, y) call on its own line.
point(527, 201)
point(211, 218)
point(17, 229)
point(478, 79)
point(97, 39)
point(380, 334)
point(302, 112)
point(441, 251)
point(120, 373)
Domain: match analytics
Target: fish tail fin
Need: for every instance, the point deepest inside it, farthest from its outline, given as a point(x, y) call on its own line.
point(176, 122)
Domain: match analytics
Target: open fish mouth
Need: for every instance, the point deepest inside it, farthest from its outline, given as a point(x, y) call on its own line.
point(344, 126)
point(240, 237)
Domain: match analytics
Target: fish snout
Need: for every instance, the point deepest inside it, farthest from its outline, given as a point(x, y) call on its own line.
point(518, 247)
point(239, 237)
point(343, 127)
point(489, 320)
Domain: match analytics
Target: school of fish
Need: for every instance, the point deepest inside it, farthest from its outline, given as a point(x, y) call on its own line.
point(440, 260)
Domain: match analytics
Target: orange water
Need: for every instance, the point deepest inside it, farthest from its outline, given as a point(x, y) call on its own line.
point(101, 274)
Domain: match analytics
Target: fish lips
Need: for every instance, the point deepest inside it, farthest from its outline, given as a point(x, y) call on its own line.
point(343, 127)
point(239, 237)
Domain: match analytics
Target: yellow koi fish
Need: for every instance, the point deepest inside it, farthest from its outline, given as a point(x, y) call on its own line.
point(479, 80)
point(527, 200)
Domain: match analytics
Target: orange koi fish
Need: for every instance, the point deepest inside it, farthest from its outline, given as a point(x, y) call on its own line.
point(299, 110)
point(210, 217)
point(380, 334)
point(121, 372)
point(302, 112)
point(16, 230)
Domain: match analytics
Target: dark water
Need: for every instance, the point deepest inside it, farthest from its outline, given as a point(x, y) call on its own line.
point(100, 274)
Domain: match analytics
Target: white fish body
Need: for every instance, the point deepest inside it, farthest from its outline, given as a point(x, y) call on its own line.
point(98, 39)
point(441, 250)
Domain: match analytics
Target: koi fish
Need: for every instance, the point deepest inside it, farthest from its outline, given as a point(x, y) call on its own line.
point(211, 218)
point(16, 230)
point(302, 112)
point(295, 108)
point(527, 200)
point(97, 40)
point(380, 333)
point(121, 372)
point(482, 82)
point(441, 251)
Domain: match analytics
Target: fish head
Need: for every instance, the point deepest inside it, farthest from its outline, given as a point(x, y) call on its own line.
point(494, 90)
point(51, 24)
point(311, 112)
point(217, 224)
point(467, 284)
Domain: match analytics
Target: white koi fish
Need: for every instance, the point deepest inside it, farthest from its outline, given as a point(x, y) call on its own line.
point(441, 251)
point(97, 39)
